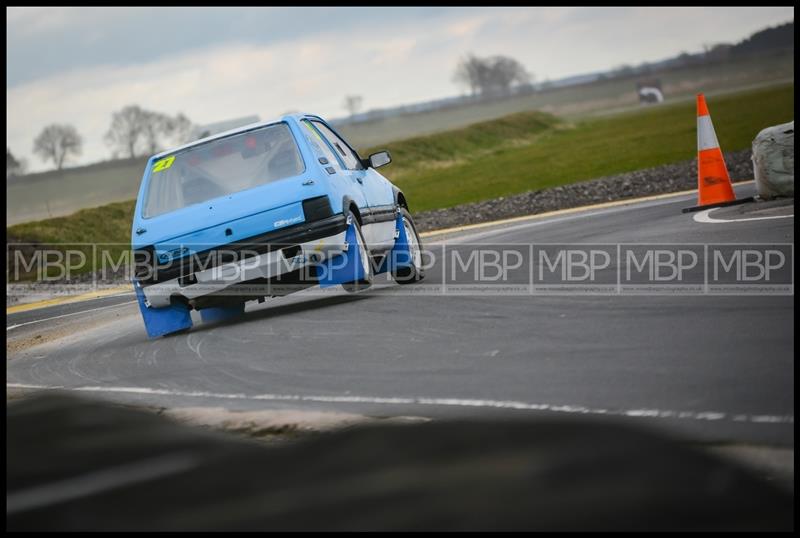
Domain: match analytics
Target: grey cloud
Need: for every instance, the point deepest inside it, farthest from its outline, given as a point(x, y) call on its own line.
point(122, 36)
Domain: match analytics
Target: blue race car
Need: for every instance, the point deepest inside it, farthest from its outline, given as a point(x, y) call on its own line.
point(264, 210)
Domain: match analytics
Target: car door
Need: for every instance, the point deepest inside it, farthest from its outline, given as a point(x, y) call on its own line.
point(343, 183)
point(378, 220)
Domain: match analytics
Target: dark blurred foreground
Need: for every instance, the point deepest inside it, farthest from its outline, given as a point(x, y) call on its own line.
point(76, 464)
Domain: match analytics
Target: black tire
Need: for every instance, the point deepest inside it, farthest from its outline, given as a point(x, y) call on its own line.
point(365, 258)
point(414, 273)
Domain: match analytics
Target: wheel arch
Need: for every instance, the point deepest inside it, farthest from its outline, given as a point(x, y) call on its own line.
point(349, 203)
point(400, 198)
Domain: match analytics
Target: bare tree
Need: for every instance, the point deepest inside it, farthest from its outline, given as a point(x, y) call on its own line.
point(127, 130)
point(57, 142)
point(492, 75)
point(135, 131)
point(353, 104)
point(155, 126)
point(14, 166)
point(472, 72)
point(505, 73)
point(179, 129)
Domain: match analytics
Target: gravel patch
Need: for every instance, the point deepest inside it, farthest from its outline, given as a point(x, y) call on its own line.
point(658, 180)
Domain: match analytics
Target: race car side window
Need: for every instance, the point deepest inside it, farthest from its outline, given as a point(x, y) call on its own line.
point(321, 149)
point(350, 159)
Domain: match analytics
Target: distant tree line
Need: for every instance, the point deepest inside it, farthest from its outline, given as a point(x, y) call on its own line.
point(775, 38)
point(769, 40)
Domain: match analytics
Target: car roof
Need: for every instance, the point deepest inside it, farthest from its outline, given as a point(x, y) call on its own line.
point(229, 132)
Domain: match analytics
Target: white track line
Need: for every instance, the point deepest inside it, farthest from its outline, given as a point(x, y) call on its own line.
point(8, 328)
point(703, 217)
point(497, 404)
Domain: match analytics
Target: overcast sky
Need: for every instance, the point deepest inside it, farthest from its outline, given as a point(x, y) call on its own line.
point(78, 65)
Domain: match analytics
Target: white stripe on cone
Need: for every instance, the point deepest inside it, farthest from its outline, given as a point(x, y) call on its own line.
point(706, 137)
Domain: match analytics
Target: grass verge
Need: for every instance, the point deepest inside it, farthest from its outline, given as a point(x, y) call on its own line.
point(592, 148)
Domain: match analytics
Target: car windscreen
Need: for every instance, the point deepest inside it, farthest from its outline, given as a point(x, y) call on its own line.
point(221, 167)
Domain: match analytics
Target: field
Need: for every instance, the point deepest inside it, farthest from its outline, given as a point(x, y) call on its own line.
point(518, 153)
point(52, 194)
point(580, 102)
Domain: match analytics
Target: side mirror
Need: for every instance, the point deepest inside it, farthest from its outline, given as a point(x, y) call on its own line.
point(379, 159)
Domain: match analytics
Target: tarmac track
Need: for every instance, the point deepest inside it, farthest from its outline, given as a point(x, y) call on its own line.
point(702, 367)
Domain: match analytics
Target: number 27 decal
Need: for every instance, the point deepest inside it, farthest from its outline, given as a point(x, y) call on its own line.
point(163, 164)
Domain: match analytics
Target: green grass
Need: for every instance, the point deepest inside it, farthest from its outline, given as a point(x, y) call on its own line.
point(468, 144)
point(517, 153)
point(587, 149)
point(107, 223)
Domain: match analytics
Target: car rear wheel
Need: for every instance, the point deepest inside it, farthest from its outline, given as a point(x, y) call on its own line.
point(363, 258)
point(414, 272)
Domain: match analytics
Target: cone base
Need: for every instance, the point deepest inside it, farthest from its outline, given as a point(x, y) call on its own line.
point(718, 204)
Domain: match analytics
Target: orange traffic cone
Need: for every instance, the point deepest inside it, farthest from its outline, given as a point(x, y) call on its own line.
point(714, 187)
